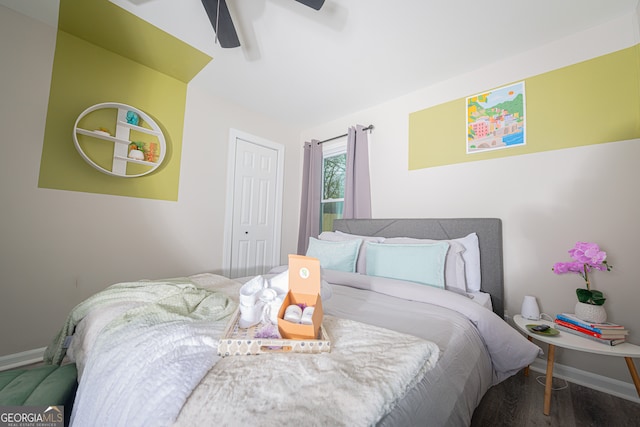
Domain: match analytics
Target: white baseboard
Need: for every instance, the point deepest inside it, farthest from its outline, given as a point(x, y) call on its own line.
point(601, 383)
point(16, 360)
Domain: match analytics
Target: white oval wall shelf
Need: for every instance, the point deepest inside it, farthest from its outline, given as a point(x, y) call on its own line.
point(155, 145)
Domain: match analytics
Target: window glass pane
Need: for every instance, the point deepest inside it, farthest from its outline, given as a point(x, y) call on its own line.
point(334, 168)
point(330, 211)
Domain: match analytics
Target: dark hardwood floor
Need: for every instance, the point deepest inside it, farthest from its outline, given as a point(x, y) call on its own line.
point(518, 401)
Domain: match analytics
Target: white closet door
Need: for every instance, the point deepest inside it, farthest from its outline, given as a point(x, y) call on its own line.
point(256, 206)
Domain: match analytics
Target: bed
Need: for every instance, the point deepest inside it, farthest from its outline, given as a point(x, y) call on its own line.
point(403, 353)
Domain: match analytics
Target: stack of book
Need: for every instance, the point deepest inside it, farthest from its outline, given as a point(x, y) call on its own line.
point(605, 333)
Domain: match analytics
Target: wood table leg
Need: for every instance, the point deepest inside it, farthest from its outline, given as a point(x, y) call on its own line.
point(549, 380)
point(526, 369)
point(634, 374)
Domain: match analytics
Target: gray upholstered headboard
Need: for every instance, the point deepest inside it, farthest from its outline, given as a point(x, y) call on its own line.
point(489, 231)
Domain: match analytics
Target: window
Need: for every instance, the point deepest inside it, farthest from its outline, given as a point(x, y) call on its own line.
point(334, 164)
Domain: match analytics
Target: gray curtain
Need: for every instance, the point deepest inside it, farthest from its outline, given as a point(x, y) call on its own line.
point(311, 195)
point(357, 192)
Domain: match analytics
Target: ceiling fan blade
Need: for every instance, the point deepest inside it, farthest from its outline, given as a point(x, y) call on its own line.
point(221, 22)
point(314, 4)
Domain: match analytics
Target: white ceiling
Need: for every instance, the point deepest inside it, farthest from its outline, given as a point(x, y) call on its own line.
point(307, 67)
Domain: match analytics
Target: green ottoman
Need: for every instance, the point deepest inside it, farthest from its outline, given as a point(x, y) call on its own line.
point(48, 385)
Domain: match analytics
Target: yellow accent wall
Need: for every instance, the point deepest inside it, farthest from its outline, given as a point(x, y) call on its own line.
point(109, 26)
point(89, 69)
point(592, 102)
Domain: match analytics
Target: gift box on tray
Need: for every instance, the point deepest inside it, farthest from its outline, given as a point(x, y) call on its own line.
point(238, 341)
point(304, 291)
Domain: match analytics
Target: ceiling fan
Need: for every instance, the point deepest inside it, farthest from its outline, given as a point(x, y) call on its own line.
point(220, 18)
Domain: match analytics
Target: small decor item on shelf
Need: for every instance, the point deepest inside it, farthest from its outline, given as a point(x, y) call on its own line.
point(136, 155)
point(102, 131)
point(587, 257)
point(136, 151)
point(150, 151)
point(133, 118)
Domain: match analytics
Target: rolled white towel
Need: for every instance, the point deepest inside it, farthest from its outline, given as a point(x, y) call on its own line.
point(249, 292)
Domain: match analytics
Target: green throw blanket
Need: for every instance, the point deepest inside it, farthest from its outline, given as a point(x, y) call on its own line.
point(160, 338)
point(164, 301)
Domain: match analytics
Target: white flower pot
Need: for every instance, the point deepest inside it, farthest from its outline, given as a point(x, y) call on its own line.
point(136, 154)
point(591, 313)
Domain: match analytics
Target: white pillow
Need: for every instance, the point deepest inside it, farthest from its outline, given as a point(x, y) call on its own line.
point(471, 257)
point(454, 271)
point(341, 256)
point(421, 263)
point(339, 236)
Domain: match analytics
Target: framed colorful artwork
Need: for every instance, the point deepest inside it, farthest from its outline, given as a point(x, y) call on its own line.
point(496, 119)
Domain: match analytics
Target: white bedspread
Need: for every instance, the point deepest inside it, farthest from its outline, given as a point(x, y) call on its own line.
point(463, 330)
point(367, 371)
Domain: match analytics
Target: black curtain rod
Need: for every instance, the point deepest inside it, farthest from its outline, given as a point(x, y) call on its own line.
point(370, 127)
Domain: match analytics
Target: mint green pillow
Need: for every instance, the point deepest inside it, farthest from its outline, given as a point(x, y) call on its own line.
point(341, 256)
point(422, 263)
